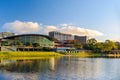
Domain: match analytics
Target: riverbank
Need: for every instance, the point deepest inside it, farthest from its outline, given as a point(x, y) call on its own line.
point(29, 54)
point(85, 54)
point(47, 54)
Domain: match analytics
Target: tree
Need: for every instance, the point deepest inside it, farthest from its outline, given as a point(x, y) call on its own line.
point(28, 44)
point(77, 45)
point(47, 49)
point(36, 44)
point(98, 47)
point(109, 45)
point(90, 44)
point(92, 41)
point(19, 43)
point(95, 46)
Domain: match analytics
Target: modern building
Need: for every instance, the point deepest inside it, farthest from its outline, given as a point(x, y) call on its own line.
point(67, 40)
point(81, 39)
point(42, 40)
point(65, 43)
point(60, 36)
point(6, 34)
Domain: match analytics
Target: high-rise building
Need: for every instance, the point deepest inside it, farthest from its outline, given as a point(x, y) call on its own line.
point(60, 36)
point(82, 39)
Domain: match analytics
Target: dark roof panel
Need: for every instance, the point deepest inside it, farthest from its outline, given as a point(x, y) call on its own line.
point(10, 37)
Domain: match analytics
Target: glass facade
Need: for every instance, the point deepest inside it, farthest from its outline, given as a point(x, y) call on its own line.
point(41, 40)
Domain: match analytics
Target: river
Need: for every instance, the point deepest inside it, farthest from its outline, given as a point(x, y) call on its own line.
point(62, 68)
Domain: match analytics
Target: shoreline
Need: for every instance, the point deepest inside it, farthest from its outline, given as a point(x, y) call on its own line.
point(29, 54)
point(51, 54)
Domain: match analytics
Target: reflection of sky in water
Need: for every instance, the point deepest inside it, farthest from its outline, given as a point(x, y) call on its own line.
point(2, 77)
point(65, 68)
point(21, 76)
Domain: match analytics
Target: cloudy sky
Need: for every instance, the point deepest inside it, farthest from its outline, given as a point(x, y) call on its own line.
point(94, 18)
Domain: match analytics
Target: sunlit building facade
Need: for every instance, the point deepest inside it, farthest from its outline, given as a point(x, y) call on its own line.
point(81, 39)
point(42, 40)
point(60, 36)
point(67, 40)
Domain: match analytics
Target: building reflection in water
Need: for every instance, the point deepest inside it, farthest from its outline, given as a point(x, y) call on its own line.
point(52, 63)
point(28, 65)
point(19, 69)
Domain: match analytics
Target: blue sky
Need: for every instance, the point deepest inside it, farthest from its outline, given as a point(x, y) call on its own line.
point(98, 15)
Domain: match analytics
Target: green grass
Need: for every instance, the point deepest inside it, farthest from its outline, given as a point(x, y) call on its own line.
point(27, 58)
point(85, 54)
point(46, 54)
point(29, 54)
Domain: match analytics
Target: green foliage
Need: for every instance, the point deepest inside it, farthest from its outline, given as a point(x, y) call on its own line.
point(86, 54)
point(109, 45)
point(28, 44)
point(90, 44)
point(77, 45)
point(28, 54)
point(95, 46)
point(92, 41)
point(4, 43)
point(98, 47)
point(46, 49)
point(36, 44)
point(19, 43)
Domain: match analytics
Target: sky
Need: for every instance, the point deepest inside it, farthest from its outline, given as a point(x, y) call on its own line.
point(98, 19)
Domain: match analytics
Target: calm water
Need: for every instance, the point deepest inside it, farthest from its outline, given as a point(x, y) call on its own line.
point(64, 68)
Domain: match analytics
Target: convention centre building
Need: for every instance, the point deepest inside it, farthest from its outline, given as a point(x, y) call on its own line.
point(24, 39)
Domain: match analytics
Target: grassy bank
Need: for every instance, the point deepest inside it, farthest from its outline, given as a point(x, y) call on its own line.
point(47, 54)
point(29, 54)
point(85, 54)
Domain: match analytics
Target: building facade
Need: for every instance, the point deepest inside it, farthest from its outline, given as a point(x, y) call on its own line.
point(42, 40)
point(67, 40)
point(81, 39)
point(60, 36)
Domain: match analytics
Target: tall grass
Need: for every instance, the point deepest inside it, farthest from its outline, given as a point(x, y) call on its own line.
point(29, 54)
point(85, 54)
point(47, 54)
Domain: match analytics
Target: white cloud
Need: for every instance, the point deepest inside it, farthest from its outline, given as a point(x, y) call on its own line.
point(79, 31)
point(47, 29)
point(20, 27)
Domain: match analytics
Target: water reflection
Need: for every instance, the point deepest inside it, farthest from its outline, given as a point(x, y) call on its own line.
point(64, 68)
point(25, 69)
point(52, 63)
point(27, 66)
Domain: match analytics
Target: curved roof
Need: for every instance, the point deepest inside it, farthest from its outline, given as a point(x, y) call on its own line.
point(10, 37)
